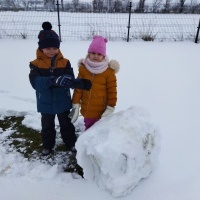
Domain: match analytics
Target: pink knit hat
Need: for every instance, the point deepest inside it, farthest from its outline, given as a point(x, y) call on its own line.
point(98, 45)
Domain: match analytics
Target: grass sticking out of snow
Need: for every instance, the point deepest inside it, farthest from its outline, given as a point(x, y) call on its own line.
point(28, 142)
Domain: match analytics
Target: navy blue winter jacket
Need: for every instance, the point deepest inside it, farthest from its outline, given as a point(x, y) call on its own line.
point(50, 99)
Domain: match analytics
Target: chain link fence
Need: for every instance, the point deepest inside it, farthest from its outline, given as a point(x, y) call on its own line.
point(83, 26)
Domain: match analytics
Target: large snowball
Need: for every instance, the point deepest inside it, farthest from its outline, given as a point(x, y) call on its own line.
point(119, 150)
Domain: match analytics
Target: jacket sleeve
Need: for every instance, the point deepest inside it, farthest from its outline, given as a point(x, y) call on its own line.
point(112, 90)
point(77, 95)
point(69, 70)
point(37, 81)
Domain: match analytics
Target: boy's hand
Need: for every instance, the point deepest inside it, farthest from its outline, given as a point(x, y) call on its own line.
point(81, 83)
point(63, 81)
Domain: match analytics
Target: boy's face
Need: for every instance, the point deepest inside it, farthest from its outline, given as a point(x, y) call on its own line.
point(50, 51)
point(96, 57)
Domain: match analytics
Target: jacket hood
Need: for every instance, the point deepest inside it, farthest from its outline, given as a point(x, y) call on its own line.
point(113, 64)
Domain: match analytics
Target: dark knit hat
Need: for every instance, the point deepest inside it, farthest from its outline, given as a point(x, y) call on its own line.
point(47, 37)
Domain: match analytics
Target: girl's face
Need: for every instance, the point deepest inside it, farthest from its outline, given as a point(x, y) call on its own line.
point(96, 57)
point(50, 51)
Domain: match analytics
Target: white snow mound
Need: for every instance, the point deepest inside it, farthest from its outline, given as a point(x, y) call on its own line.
point(119, 150)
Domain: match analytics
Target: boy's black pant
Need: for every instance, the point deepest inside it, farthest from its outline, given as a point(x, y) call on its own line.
point(48, 132)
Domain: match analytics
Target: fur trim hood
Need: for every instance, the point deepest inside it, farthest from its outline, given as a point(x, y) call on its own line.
point(113, 64)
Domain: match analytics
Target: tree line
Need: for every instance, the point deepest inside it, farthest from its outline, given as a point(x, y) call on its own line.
point(103, 6)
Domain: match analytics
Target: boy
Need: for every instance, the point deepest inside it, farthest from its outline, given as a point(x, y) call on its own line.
point(52, 76)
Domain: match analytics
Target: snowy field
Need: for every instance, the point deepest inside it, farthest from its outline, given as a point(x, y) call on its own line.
point(160, 78)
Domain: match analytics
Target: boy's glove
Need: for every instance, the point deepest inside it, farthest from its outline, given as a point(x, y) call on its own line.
point(63, 81)
point(81, 83)
point(73, 115)
point(109, 110)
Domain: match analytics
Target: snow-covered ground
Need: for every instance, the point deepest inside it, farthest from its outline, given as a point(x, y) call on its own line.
point(161, 79)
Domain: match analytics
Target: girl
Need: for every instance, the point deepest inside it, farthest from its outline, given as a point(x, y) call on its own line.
point(101, 100)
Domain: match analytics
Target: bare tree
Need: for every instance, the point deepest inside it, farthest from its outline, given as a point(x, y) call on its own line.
point(12, 3)
point(75, 4)
point(50, 4)
point(62, 5)
point(26, 4)
point(167, 6)
point(117, 6)
point(181, 3)
point(156, 5)
point(194, 6)
point(125, 5)
point(98, 5)
point(141, 6)
point(109, 5)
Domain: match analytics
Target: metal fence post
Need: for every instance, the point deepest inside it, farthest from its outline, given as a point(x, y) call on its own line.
point(129, 20)
point(197, 35)
point(57, 4)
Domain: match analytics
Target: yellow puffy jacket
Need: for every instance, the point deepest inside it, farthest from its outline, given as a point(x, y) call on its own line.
point(103, 92)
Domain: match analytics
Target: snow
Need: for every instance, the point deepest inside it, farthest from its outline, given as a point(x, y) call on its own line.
point(158, 91)
point(118, 156)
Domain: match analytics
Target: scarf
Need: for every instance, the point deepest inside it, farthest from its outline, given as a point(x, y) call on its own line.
point(96, 67)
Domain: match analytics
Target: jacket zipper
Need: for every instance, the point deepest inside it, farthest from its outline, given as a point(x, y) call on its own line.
point(52, 67)
point(92, 77)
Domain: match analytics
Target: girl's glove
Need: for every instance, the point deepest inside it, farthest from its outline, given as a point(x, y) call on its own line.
point(109, 110)
point(73, 115)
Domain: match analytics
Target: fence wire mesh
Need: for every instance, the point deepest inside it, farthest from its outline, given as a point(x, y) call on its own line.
point(83, 26)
